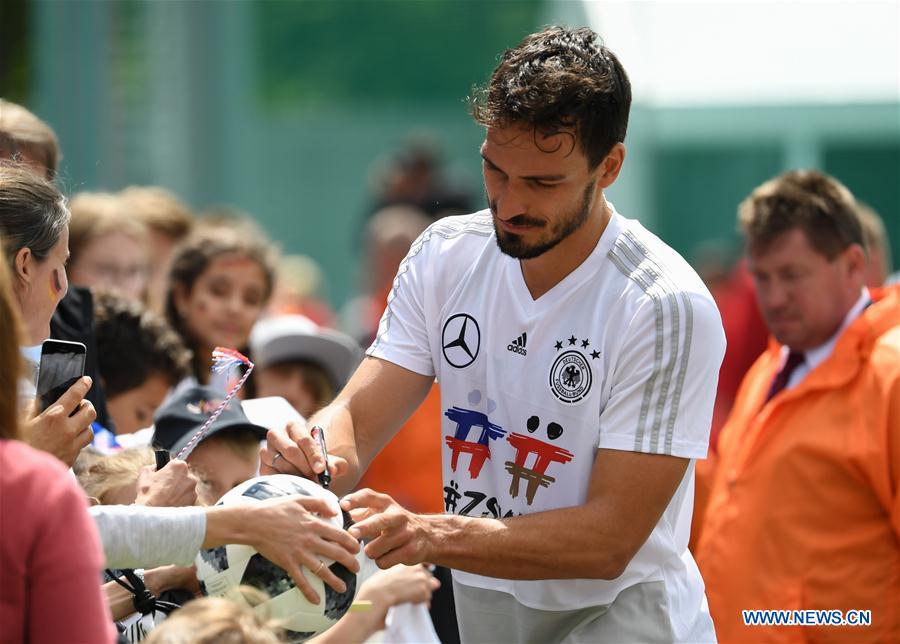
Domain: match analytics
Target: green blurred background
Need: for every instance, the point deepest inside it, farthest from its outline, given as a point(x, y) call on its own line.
point(283, 109)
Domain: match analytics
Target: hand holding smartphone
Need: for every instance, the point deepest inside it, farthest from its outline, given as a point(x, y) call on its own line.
point(62, 425)
point(62, 364)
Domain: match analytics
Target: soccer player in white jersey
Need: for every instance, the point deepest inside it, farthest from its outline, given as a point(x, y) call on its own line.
point(577, 356)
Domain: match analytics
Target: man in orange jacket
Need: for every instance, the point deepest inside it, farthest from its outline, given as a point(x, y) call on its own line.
point(804, 512)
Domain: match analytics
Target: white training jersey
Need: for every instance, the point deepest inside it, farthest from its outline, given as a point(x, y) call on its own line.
point(622, 354)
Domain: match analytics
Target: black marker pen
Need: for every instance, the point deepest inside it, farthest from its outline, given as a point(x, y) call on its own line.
point(319, 434)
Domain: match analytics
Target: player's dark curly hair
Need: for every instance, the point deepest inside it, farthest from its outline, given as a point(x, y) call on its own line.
point(134, 344)
point(560, 79)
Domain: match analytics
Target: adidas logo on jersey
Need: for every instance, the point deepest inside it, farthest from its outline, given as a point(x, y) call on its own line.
point(518, 345)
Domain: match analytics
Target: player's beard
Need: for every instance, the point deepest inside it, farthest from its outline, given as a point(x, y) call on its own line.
point(515, 245)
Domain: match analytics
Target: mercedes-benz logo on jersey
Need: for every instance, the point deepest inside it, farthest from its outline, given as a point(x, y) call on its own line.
point(570, 375)
point(461, 340)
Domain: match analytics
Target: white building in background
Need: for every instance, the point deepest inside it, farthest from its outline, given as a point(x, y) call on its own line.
point(744, 52)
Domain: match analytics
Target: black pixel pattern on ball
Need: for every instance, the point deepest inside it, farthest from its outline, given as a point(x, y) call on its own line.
point(217, 558)
point(263, 574)
point(274, 580)
point(266, 490)
point(336, 604)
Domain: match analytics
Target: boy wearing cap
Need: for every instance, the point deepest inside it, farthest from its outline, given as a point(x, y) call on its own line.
point(229, 452)
point(300, 361)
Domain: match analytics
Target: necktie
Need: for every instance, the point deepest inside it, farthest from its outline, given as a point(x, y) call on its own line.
point(794, 360)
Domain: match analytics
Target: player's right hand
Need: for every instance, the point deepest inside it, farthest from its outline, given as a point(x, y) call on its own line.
point(55, 431)
point(293, 450)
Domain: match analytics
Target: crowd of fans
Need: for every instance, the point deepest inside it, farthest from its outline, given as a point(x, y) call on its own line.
point(151, 289)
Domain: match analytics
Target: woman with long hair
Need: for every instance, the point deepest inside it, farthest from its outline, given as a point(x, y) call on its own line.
point(34, 229)
point(49, 549)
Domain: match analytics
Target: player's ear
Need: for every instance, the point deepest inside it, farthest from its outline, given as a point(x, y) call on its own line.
point(609, 168)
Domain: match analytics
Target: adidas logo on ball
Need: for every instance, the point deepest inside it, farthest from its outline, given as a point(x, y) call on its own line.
point(518, 345)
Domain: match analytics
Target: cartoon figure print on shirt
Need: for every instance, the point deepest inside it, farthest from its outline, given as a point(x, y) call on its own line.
point(459, 443)
point(530, 461)
point(545, 454)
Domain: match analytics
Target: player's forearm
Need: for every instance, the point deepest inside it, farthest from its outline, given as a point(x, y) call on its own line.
point(367, 413)
point(571, 543)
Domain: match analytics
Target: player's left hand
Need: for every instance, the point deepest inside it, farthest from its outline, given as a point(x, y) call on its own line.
point(397, 535)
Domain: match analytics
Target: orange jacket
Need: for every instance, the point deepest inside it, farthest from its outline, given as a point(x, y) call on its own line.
point(409, 466)
point(804, 511)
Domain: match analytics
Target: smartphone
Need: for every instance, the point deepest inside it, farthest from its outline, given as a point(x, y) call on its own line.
point(62, 364)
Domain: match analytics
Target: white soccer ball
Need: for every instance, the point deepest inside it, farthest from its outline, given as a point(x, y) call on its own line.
point(221, 570)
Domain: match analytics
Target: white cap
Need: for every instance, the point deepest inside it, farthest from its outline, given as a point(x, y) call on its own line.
point(286, 338)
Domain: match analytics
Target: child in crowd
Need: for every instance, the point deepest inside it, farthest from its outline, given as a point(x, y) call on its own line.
point(217, 620)
point(109, 249)
point(302, 362)
point(112, 479)
point(140, 359)
point(229, 452)
point(169, 221)
point(219, 284)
